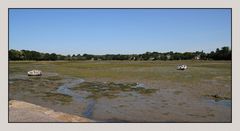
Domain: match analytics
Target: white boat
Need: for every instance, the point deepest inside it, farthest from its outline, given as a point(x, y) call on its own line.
point(181, 67)
point(34, 73)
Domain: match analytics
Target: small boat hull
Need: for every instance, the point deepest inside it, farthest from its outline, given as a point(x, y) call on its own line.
point(181, 67)
point(34, 73)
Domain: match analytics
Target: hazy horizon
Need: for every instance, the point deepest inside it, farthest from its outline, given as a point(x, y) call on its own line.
point(119, 31)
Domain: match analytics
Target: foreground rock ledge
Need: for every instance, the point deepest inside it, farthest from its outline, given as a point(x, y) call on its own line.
point(20, 111)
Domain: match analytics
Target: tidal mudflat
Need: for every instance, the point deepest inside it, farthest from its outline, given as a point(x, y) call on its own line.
point(127, 91)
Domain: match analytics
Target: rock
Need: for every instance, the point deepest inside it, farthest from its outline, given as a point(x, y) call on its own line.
point(20, 111)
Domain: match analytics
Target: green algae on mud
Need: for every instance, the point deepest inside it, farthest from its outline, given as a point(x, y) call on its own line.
point(60, 98)
point(39, 87)
point(111, 89)
point(140, 70)
point(202, 77)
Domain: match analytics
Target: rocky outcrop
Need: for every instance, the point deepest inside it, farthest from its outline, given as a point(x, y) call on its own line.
point(20, 111)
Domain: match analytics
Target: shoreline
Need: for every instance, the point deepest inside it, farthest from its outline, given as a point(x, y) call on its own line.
point(20, 111)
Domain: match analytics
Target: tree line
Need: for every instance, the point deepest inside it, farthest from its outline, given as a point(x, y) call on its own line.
point(224, 53)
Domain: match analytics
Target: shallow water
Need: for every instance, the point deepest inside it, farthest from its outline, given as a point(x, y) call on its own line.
point(225, 103)
point(89, 109)
point(65, 89)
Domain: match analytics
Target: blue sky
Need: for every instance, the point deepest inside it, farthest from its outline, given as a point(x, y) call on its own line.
point(119, 31)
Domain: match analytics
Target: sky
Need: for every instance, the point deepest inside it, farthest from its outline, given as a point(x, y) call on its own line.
point(119, 31)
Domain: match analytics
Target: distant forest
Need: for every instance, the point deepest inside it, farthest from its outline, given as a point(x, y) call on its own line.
point(224, 53)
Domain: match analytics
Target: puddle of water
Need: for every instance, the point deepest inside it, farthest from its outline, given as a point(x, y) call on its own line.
point(225, 103)
point(65, 89)
point(89, 110)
